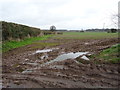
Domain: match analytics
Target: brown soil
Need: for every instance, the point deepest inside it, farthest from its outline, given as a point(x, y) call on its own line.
point(63, 74)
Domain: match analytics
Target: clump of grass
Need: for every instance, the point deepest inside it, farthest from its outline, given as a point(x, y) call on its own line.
point(110, 55)
point(8, 45)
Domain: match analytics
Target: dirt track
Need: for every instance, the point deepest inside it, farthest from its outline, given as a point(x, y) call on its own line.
point(61, 74)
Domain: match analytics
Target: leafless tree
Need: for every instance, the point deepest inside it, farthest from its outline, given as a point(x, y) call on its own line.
point(118, 20)
point(114, 20)
point(116, 17)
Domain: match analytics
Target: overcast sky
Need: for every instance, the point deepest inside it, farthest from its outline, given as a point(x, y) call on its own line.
point(64, 14)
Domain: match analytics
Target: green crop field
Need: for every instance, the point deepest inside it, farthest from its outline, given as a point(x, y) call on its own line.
point(86, 35)
point(8, 45)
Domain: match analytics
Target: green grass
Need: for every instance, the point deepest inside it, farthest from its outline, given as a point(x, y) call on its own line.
point(86, 35)
point(8, 45)
point(110, 55)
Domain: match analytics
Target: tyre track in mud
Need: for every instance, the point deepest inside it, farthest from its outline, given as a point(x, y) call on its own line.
point(71, 75)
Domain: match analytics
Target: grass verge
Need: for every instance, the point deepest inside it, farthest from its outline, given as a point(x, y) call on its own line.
point(8, 45)
point(110, 55)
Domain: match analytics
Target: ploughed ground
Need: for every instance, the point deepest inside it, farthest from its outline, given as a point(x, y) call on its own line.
point(24, 68)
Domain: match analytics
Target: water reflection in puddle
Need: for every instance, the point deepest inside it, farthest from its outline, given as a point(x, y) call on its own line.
point(34, 64)
point(85, 58)
point(45, 50)
point(27, 71)
point(44, 57)
point(57, 67)
point(86, 43)
point(62, 57)
point(67, 56)
point(0, 85)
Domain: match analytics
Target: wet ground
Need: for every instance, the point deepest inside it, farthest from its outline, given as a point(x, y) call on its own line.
point(67, 65)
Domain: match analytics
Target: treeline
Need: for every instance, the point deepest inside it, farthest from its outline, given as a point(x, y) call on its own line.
point(12, 31)
point(112, 30)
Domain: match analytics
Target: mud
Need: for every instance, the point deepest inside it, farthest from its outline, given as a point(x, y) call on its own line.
point(24, 68)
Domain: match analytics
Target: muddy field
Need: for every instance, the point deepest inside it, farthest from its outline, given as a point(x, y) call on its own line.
point(67, 65)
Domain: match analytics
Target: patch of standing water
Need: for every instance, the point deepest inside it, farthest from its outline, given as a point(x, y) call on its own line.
point(77, 62)
point(85, 58)
point(61, 58)
point(86, 43)
point(0, 84)
point(67, 56)
point(27, 71)
point(57, 66)
point(45, 50)
point(34, 64)
point(44, 56)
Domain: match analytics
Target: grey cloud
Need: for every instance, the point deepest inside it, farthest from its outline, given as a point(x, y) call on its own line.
point(62, 13)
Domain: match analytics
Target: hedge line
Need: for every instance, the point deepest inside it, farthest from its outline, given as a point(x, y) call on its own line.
point(12, 31)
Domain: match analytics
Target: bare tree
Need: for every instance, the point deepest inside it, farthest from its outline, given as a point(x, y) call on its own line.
point(114, 20)
point(116, 17)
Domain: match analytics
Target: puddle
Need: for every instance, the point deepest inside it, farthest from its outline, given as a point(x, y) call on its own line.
point(57, 67)
point(59, 58)
point(27, 71)
point(45, 50)
point(44, 57)
point(34, 64)
point(89, 54)
point(85, 58)
point(68, 56)
point(86, 43)
point(0, 85)
point(77, 62)
point(26, 59)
